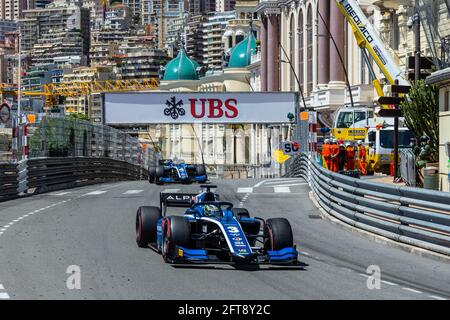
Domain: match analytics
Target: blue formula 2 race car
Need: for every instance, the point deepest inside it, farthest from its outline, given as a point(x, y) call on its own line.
point(212, 231)
point(176, 171)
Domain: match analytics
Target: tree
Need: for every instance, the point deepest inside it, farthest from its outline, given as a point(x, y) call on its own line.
point(78, 116)
point(421, 112)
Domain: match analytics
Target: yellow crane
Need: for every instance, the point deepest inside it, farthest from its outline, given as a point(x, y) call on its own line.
point(52, 91)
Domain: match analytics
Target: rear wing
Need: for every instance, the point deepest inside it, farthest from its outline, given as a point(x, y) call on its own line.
point(171, 199)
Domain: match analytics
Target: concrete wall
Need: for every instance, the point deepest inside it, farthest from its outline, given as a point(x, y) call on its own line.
point(444, 135)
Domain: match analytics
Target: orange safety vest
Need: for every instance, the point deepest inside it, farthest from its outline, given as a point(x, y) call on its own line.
point(361, 152)
point(350, 152)
point(334, 150)
point(326, 151)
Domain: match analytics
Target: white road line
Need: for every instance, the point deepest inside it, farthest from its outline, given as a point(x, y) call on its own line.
point(245, 190)
point(389, 283)
point(290, 185)
point(411, 290)
point(364, 275)
point(304, 253)
point(133, 192)
point(437, 298)
point(60, 193)
point(259, 183)
point(281, 189)
point(280, 182)
point(4, 295)
point(94, 193)
point(170, 190)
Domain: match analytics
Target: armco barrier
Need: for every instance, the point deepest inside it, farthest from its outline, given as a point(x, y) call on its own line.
point(40, 175)
point(414, 216)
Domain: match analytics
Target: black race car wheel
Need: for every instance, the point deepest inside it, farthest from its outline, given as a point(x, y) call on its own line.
point(279, 234)
point(146, 219)
point(151, 174)
point(159, 173)
point(176, 231)
point(200, 170)
point(240, 213)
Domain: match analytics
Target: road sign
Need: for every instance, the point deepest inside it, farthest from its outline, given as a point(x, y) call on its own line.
point(390, 100)
point(5, 113)
point(290, 147)
point(390, 113)
point(396, 88)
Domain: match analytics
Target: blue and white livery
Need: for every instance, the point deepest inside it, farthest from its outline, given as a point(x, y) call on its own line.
point(212, 231)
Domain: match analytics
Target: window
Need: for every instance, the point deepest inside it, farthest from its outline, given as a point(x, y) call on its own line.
point(309, 52)
point(345, 120)
point(292, 53)
point(387, 139)
point(446, 101)
point(300, 47)
point(360, 116)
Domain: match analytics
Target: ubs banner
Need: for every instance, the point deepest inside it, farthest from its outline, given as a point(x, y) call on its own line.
point(173, 107)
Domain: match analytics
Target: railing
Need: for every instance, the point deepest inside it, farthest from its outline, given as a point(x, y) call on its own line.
point(414, 216)
point(41, 175)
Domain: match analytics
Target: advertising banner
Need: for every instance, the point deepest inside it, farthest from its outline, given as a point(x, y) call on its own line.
point(212, 107)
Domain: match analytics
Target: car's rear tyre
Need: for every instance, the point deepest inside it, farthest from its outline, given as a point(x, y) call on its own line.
point(279, 234)
point(159, 173)
point(176, 231)
point(151, 174)
point(240, 213)
point(146, 220)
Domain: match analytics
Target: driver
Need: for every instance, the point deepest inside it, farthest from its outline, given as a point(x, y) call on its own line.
point(211, 210)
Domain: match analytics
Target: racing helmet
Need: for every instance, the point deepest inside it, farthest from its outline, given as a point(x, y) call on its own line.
point(327, 140)
point(210, 210)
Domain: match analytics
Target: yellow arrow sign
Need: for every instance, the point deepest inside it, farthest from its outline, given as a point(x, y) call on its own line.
point(279, 156)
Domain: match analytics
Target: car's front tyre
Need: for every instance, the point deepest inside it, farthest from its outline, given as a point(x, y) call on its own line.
point(176, 231)
point(279, 234)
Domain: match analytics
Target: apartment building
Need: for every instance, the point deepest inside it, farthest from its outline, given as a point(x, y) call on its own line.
point(61, 30)
point(225, 5)
point(89, 105)
point(194, 38)
point(118, 17)
point(213, 47)
point(172, 17)
point(13, 9)
point(134, 5)
point(197, 7)
point(133, 60)
point(58, 43)
point(176, 34)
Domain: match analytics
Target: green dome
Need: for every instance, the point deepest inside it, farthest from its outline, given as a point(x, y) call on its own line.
point(241, 54)
point(181, 68)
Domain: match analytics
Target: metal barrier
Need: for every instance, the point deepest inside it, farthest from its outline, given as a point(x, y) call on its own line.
point(414, 216)
point(408, 167)
point(41, 175)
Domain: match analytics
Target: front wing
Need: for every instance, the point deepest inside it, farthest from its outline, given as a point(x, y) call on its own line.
point(286, 256)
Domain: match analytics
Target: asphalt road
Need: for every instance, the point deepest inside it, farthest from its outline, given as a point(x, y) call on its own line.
point(93, 228)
